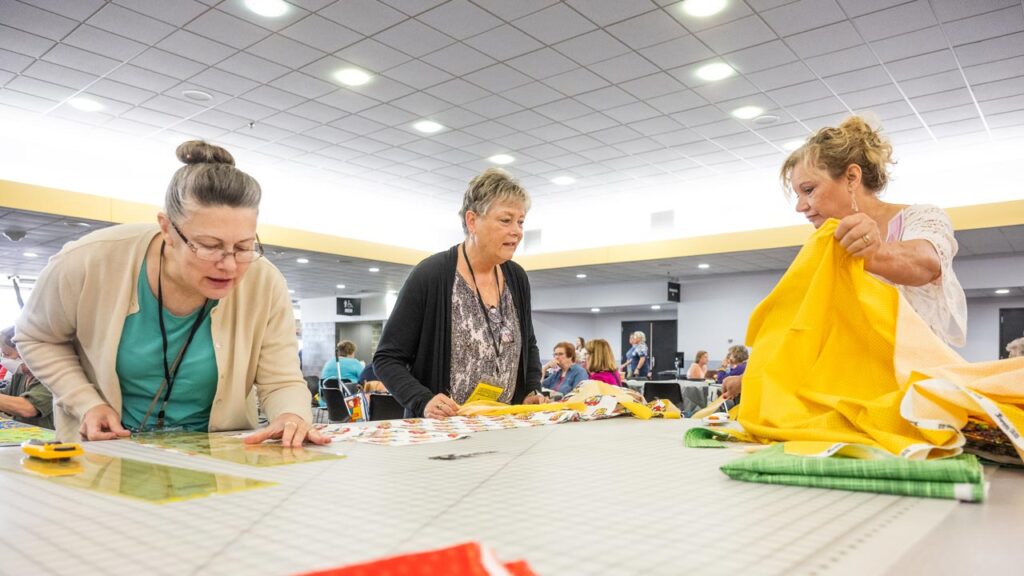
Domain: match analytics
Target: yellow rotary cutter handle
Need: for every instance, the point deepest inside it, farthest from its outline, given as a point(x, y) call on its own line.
point(51, 451)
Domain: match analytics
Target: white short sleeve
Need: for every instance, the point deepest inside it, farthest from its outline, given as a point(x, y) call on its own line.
point(941, 303)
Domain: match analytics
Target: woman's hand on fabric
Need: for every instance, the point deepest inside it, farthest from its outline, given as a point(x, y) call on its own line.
point(102, 422)
point(731, 387)
point(440, 406)
point(859, 235)
point(290, 429)
point(536, 398)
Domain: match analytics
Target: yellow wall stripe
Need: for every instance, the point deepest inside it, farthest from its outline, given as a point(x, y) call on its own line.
point(23, 196)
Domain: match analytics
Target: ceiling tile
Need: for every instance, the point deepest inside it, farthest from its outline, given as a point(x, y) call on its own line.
point(78, 59)
point(909, 44)
point(896, 20)
point(252, 67)
point(622, 68)
point(421, 103)
point(247, 109)
point(736, 35)
point(504, 42)
point(104, 43)
point(273, 97)
point(652, 86)
point(512, 10)
point(23, 42)
point(985, 26)
point(215, 25)
point(802, 16)
point(564, 109)
point(497, 78)
point(177, 12)
point(862, 79)
point(194, 47)
point(61, 75)
point(785, 75)
point(419, 74)
point(606, 13)
point(542, 63)
point(35, 21)
point(592, 47)
point(841, 61)
point(41, 88)
point(223, 81)
point(285, 51)
point(414, 38)
point(761, 57)
point(824, 40)
point(321, 33)
point(923, 65)
point(414, 7)
point(388, 115)
point(79, 10)
point(458, 59)
point(956, 9)
point(554, 24)
point(460, 19)
point(347, 100)
point(492, 106)
point(532, 94)
point(990, 50)
point(457, 91)
point(677, 52)
point(576, 82)
point(647, 29)
point(373, 55)
point(606, 98)
point(364, 16)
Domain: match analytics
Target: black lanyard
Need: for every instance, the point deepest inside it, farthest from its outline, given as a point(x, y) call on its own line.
point(483, 307)
point(169, 375)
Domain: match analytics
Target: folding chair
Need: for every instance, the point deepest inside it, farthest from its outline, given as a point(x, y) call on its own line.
point(663, 391)
point(385, 407)
point(333, 395)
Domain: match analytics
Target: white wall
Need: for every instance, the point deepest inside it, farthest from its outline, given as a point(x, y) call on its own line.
point(554, 327)
point(586, 296)
point(325, 309)
point(713, 313)
point(983, 327)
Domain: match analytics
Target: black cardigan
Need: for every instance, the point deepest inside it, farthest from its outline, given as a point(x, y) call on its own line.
point(413, 358)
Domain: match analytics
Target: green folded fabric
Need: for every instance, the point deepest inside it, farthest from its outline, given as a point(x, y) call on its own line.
point(705, 438)
point(959, 477)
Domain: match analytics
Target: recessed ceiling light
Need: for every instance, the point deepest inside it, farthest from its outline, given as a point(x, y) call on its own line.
point(1000, 291)
point(290, 291)
point(703, 8)
point(703, 266)
point(747, 112)
point(85, 104)
point(197, 95)
point(581, 275)
point(340, 286)
point(563, 180)
point(766, 119)
point(352, 77)
point(30, 254)
point(302, 260)
point(595, 309)
point(428, 126)
point(374, 269)
point(656, 307)
point(792, 145)
point(502, 159)
point(715, 71)
point(268, 8)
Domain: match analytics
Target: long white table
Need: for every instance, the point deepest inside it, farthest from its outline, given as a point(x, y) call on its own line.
point(620, 496)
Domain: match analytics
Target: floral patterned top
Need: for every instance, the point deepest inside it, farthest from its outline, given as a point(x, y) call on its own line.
point(473, 357)
point(941, 303)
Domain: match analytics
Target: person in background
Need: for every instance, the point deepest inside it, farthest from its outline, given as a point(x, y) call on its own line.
point(737, 357)
point(1015, 349)
point(344, 366)
point(24, 398)
point(637, 364)
point(699, 368)
point(174, 325)
point(581, 352)
point(369, 382)
point(464, 316)
point(568, 373)
point(602, 362)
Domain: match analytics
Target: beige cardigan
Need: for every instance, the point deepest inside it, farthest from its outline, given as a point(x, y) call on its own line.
point(69, 332)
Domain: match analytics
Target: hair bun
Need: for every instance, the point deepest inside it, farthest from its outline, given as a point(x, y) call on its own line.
point(199, 152)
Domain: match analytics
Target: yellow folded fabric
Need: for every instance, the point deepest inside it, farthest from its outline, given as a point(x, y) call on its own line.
point(585, 399)
point(840, 357)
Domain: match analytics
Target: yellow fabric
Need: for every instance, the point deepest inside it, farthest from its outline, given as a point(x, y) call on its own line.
point(581, 399)
point(835, 351)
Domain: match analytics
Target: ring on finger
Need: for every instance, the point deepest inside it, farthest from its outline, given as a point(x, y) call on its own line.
point(866, 238)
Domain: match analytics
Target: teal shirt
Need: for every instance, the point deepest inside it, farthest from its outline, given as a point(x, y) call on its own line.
point(350, 369)
point(141, 370)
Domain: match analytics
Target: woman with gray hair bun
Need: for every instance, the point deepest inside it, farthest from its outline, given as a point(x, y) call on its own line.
point(462, 325)
point(171, 326)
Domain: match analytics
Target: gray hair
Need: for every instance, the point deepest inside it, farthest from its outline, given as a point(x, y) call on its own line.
point(208, 178)
point(494, 185)
point(738, 353)
point(1015, 348)
point(640, 336)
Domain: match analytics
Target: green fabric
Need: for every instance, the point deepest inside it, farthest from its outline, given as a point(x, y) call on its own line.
point(959, 477)
point(141, 371)
point(705, 438)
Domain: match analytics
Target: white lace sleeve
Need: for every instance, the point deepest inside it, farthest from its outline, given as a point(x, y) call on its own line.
point(941, 302)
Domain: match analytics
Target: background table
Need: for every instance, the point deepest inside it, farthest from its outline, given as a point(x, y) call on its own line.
point(620, 496)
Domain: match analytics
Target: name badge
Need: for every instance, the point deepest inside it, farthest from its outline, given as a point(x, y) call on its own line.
point(485, 391)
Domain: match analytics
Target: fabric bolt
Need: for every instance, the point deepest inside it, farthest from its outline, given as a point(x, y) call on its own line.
point(871, 371)
point(473, 356)
point(959, 477)
point(141, 369)
point(467, 559)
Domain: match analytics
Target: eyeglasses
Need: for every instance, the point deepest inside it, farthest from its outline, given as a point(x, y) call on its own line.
point(218, 254)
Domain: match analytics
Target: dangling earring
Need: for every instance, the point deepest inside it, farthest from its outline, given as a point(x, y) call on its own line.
point(853, 201)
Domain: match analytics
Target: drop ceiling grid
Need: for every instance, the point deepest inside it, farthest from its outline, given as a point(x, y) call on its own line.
point(305, 89)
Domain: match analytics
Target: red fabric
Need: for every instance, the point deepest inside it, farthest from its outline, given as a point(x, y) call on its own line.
point(459, 560)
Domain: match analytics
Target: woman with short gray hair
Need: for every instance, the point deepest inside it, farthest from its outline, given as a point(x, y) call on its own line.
point(171, 326)
point(462, 326)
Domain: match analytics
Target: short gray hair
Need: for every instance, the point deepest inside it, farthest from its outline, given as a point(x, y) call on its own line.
point(1016, 348)
point(208, 178)
point(494, 185)
point(640, 336)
